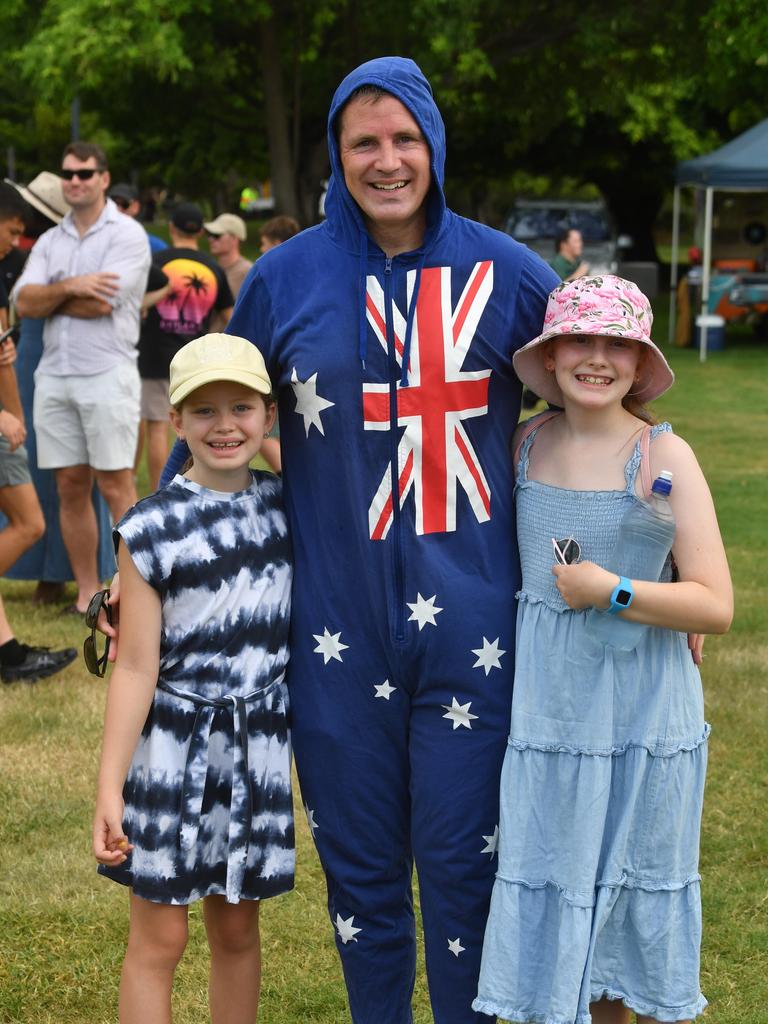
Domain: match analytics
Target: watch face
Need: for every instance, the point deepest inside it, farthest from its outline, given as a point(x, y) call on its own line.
point(623, 598)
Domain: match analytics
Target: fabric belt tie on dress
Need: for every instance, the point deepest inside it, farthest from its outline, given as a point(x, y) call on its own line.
point(241, 804)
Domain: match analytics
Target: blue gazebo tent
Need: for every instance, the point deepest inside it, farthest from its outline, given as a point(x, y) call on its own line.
point(739, 165)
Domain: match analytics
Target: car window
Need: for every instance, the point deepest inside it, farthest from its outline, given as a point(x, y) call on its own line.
point(529, 225)
point(592, 225)
point(525, 225)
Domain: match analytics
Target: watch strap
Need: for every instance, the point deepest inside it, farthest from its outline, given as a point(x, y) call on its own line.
point(623, 590)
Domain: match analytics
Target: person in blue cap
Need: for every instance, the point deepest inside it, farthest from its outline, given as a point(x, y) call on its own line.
point(388, 331)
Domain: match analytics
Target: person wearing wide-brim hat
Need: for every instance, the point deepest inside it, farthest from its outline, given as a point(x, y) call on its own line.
point(608, 306)
point(597, 887)
point(44, 194)
point(47, 561)
point(22, 518)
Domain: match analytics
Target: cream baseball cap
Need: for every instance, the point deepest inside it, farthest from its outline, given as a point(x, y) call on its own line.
point(216, 357)
point(227, 224)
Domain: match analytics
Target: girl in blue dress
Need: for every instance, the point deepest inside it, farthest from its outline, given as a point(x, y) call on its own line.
point(596, 906)
point(194, 796)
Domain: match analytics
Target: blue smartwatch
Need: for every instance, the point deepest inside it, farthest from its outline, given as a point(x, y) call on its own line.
point(622, 596)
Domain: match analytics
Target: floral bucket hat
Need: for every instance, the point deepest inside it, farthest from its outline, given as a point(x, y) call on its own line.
point(607, 306)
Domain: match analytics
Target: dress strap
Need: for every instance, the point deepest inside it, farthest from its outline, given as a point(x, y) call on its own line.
point(640, 460)
point(529, 428)
point(645, 461)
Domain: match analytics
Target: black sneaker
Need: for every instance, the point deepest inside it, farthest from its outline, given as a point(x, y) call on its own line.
point(38, 663)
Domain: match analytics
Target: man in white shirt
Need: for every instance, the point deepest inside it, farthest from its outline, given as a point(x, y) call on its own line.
point(87, 276)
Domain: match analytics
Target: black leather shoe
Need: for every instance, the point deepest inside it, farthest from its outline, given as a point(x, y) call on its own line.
point(38, 663)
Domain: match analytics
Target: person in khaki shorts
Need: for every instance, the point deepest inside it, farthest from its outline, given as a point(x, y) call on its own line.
point(87, 276)
point(18, 499)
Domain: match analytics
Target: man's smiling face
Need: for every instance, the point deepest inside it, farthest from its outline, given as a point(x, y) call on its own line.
point(386, 162)
point(83, 193)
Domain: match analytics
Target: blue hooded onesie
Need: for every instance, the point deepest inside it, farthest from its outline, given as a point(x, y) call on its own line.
point(397, 402)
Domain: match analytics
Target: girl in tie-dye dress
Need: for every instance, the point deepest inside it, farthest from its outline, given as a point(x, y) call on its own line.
point(194, 798)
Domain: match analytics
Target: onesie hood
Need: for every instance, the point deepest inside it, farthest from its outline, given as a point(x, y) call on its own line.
point(404, 80)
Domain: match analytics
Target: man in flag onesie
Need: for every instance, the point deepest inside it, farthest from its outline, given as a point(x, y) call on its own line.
point(389, 331)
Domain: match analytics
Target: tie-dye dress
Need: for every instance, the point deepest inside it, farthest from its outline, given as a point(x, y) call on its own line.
point(208, 794)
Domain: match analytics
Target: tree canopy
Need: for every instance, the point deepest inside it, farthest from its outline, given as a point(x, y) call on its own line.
point(205, 97)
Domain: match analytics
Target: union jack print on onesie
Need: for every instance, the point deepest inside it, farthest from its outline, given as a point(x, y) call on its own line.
point(435, 452)
point(398, 487)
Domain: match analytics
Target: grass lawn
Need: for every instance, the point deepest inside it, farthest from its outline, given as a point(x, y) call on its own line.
point(63, 928)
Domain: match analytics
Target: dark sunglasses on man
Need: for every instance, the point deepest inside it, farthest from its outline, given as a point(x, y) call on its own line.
point(95, 663)
point(83, 173)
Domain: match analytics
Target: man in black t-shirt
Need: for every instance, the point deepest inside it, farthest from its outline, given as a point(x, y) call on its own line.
point(198, 290)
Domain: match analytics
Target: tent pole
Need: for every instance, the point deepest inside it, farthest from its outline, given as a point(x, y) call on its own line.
point(706, 269)
point(673, 268)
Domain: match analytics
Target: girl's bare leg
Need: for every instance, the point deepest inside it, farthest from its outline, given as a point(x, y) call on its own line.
point(156, 941)
point(610, 1011)
point(233, 937)
point(652, 1020)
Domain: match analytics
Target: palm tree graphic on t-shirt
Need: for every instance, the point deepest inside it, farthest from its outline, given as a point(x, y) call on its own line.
point(186, 308)
point(195, 286)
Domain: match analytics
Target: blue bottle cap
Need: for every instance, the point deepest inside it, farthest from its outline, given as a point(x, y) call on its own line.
point(663, 482)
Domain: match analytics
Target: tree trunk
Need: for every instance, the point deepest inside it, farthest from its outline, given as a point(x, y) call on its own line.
point(315, 169)
point(634, 210)
point(282, 170)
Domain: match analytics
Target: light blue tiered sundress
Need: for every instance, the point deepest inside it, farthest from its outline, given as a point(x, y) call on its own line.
point(597, 890)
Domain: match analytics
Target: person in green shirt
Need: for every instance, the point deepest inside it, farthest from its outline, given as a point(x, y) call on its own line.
point(568, 264)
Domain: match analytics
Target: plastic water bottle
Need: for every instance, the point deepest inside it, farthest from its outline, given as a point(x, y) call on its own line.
point(645, 539)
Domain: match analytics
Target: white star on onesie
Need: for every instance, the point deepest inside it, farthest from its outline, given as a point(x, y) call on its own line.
point(489, 655)
point(455, 946)
point(313, 824)
point(308, 403)
point(491, 842)
point(459, 714)
point(423, 610)
point(329, 646)
point(345, 929)
point(384, 689)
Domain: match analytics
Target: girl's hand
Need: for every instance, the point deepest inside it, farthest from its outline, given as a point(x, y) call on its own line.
point(12, 429)
point(584, 585)
point(101, 623)
point(696, 647)
point(7, 353)
point(110, 844)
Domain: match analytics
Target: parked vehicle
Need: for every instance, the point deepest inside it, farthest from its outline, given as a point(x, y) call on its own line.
point(537, 222)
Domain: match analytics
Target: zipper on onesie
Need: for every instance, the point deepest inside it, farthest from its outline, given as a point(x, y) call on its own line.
point(397, 534)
